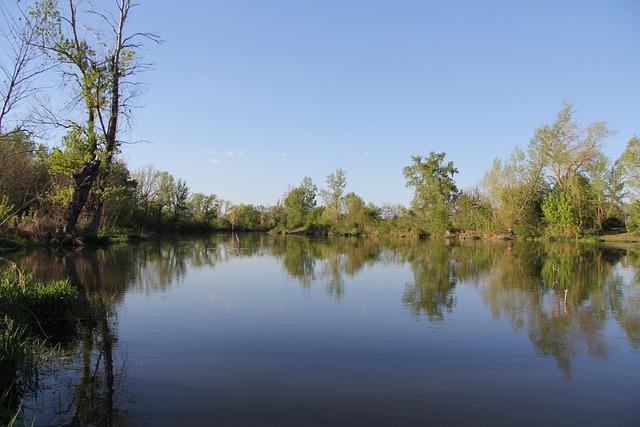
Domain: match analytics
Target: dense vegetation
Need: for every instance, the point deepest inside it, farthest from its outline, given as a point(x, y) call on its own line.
point(559, 185)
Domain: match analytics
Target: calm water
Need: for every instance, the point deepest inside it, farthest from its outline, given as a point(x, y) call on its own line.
point(257, 330)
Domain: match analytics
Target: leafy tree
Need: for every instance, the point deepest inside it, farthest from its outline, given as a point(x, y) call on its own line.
point(333, 194)
point(629, 163)
point(299, 203)
point(358, 216)
point(563, 150)
point(24, 179)
point(633, 221)
point(204, 208)
point(102, 71)
point(435, 191)
point(561, 214)
point(472, 214)
point(179, 201)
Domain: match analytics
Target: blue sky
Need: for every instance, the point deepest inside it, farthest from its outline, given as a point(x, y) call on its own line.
point(248, 97)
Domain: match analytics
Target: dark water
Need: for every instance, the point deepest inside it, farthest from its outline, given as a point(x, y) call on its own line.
point(259, 330)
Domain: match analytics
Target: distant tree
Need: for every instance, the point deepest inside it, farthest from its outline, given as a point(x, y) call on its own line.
point(561, 214)
point(299, 203)
point(563, 150)
point(179, 202)
point(629, 163)
point(633, 221)
point(472, 214)
point(435, 191)
point(333, 194)
point(204, 209)
point(356, 216)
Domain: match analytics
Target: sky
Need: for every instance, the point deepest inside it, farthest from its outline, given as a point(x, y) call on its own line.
point(247, 97)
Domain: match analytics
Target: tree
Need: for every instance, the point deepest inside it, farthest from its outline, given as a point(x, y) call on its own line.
point(299, 203)
point(472, 214)
point(561, 214)
point(629, 163)
point(179, 202)
point(24, 179)
point(563, 150)
point(103, 75)
point(204, 209)
point(633, 221)
point(435, 191)
point(357, 216)
point(20, 63)
point(333, 194)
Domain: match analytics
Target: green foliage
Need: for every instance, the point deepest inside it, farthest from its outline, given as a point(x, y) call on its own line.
point(472, 214)
point(333, 194)
point(633, 221)
point(629, 163)
point(28, 308)
point(20, 353)
point(299, 204)
point(435, 191)
point(561, 214)
point(34, 302)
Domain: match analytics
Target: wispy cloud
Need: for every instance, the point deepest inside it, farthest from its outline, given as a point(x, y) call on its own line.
point(216, 161)
point(275, 154)
point(232, 153)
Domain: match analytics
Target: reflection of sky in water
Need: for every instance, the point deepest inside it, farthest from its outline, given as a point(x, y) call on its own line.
point(290, 331)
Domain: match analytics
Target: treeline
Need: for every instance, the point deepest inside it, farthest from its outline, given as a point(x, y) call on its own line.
point(560, 185)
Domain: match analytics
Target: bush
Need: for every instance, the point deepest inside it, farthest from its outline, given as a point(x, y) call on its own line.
point(561, 215)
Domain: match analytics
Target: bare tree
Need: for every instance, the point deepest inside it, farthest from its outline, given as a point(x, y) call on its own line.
point(20, 62)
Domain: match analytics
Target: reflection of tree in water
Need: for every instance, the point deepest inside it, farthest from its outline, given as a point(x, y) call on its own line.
point(93, 385)
point(562, 294)
point(328, 260)
point(522, 282)
point(433, 270)
point(627, 304)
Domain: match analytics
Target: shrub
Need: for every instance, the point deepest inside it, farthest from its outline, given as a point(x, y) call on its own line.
point(561, 215)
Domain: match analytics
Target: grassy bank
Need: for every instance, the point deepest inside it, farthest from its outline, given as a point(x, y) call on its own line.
point(30, 312)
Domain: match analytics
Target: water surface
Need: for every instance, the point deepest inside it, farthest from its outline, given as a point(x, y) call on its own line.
point(258, 330)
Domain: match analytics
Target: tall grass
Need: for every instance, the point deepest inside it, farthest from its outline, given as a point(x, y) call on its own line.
point(28, 308)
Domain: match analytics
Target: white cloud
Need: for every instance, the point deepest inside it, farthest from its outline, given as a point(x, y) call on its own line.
point(216, 161)
point(232, 153)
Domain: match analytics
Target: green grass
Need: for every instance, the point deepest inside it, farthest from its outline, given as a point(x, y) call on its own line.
point(26, 300)
point(27, 308)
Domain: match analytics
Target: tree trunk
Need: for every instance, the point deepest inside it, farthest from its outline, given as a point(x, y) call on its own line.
point(82, 184)
point(96, 218)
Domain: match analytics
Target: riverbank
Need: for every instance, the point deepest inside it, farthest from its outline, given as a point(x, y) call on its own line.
point(33, 314)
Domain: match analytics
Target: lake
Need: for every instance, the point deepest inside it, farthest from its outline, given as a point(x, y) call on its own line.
point(253, 329)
